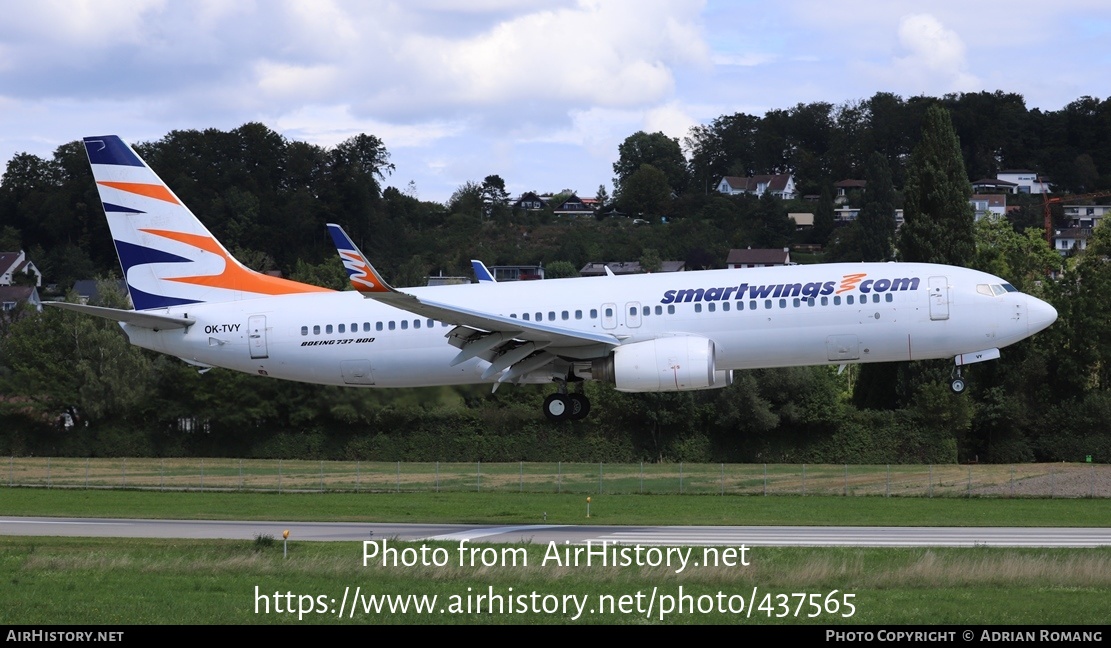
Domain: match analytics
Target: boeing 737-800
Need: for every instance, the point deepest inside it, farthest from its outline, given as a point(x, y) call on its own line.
point(641, 333)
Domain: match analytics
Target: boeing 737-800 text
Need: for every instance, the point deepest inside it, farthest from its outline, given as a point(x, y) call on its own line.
point(642, 333)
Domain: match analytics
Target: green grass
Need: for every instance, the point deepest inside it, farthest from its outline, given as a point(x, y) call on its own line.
point(265, 475)
point(111, 581)
point(147, 581)
point(525, 508)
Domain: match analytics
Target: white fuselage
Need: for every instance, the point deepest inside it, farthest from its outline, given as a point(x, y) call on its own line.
point(756, 317)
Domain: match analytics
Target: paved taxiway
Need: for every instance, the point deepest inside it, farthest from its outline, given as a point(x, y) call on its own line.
point(767, 536)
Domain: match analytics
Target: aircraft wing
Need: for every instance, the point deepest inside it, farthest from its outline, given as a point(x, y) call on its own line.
point(513, 347)
point(135, 318)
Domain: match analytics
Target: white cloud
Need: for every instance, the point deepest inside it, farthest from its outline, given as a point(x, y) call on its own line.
point(933, 61)
point(330, 125)
point(752, 59)
point(936, 54)
point(280, 81)
point(671, 119)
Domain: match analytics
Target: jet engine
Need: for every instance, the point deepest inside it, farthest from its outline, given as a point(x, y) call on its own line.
point(679, 363)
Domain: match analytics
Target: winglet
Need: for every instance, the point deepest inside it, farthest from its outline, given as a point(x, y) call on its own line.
point(364, 278)
point(481, 273)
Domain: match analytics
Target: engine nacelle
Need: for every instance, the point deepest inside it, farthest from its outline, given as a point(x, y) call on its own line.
point(679, 363)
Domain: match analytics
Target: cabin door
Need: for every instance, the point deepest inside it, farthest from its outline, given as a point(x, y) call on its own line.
point(256, 333)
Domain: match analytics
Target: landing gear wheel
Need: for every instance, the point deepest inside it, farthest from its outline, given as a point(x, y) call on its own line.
point(957, 385)
point(580, 406)
point(557, 407)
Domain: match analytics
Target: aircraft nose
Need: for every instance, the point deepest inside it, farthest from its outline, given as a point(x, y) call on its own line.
point(1039, 314)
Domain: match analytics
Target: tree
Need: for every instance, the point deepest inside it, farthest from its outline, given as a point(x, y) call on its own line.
point(650, 260)
point(494, 196)
point(658, 150)
point(602, 196)
point(774, 228)
point(467, 199)
point(823, 217)
point(877, 217)
point(560, 270)
point(939, 220)
point(645, 192)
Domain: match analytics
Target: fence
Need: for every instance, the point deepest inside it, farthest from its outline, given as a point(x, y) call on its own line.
point(1025, 480)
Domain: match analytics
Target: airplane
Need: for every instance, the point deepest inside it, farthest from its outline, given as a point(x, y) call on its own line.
point(658, 332)
point(481, 273)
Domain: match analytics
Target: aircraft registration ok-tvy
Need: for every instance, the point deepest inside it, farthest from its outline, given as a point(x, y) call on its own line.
point(642, 333)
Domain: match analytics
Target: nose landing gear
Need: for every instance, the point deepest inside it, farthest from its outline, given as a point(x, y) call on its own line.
point(956, 382)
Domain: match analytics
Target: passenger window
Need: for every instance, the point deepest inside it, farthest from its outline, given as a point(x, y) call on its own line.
point(825, 301)
point(725, 306)
point(849, 300)
point(752, 304)
point(646, 311)
point(366, 327)
point(783, 303)
point(392, 325)
point(609, 312)
point(578, 314)
point(304, 330)
point(767, 303)
point(659, 310)
point(632, 311)
point(671, 309)
point(416, 324)
point(431, 323)
point(341, 328)
point(796, 302)
point(540, 317)
point(328, 329)
point(551, 316)
point(698, 308)
point(593, 313)
point(565, 315)
point(837, 300)
point(888, 297)
point(404, 325)
point(524, 316)
point(711, 307)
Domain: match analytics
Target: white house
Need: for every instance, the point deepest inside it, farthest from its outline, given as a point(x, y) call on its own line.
point(1025, 181)
point(993, 205)
point(12, 263)
point(781, 185)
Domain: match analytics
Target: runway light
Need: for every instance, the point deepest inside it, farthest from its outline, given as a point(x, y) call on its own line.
point(587, 507)
point(285, 544)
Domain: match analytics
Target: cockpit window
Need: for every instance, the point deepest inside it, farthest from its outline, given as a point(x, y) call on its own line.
point(994, 290)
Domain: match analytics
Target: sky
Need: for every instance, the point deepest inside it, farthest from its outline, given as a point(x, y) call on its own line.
point(539, 93)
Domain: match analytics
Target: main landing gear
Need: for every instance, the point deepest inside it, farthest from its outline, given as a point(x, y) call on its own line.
point(564, 406)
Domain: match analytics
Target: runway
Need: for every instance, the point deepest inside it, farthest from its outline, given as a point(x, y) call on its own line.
point(752, 536)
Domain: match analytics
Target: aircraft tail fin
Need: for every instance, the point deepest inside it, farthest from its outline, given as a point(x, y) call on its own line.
point(362, 275)
point(168, 256)
point(481, 273)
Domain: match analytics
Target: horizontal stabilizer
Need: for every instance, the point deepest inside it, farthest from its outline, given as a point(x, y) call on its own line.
point(135, 318)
